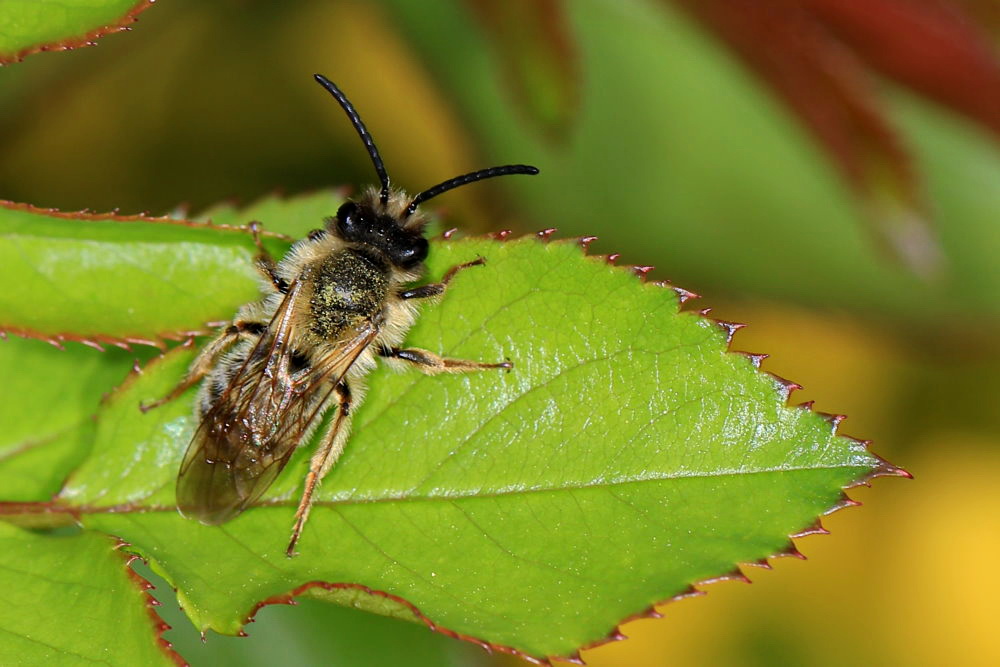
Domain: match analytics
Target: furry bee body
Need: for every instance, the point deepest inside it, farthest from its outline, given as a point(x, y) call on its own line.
point(334, 304)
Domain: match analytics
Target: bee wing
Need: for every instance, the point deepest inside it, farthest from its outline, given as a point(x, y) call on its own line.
point(248, 435)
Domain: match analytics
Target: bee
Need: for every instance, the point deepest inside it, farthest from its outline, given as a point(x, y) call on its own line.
point(341, 298)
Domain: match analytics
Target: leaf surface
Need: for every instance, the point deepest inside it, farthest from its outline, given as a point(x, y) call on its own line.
point(30, 26)
point(628, 456)
point(47, 399)
point(85, 582)
point(118, 278)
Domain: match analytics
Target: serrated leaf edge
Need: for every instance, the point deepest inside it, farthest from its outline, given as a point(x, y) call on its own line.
point(144, 216)
point(159, 625)
point(98, 341)
point(88, 39)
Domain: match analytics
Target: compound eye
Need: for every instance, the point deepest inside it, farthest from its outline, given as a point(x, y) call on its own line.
point(413, 254)
point(348, 222)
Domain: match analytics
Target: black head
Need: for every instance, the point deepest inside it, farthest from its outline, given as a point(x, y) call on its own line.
point(372, 224)
point(362, 224)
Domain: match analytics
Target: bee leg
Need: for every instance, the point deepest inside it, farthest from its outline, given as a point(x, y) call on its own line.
point(326, 455)
point(205, 360)
point(264, 263)
point(432, 364)
point(434, 289)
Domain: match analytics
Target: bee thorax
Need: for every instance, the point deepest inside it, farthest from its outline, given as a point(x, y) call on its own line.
point(349, 286)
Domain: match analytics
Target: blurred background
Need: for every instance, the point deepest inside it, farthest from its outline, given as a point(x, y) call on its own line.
point(826, 171)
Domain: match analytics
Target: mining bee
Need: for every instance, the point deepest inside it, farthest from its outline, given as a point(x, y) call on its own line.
point(341, 297)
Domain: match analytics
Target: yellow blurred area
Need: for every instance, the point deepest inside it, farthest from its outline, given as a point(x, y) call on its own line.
point(900, 582)
point(401, 105)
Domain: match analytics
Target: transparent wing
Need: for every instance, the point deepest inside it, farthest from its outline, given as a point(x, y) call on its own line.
point(248, 435)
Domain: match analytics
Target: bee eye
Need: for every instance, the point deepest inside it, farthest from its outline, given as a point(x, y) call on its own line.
point(412, 254)
point(348, 224)
point(346, 209)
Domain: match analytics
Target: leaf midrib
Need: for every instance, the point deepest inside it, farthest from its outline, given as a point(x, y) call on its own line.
point(133, 508)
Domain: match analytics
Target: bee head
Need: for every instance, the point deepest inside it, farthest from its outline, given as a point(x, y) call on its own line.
point(384, 225)
point(364, 225)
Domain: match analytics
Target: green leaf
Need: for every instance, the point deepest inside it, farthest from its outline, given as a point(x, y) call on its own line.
point(30, 26)
point(116, 278)
point(74, 601)
point(47, 390)
point(46, 400)
point(628, 456)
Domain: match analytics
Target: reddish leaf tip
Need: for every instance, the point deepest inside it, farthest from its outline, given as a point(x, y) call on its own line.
point(448, 233)
point(652, 613)
point(546, 233)
point(585, 241)
point(613, 257)
point(641, 271)
point(684, 295)
point(786, 386)
point(761, 563)
point(755, 359)
point(730, 328)
point(889, 470)
point(689, 592)
point(815, 528)
point(843, 502)
point(883, 469)
point(790, 550)
point(736, 574)
point(833, 419)
point(501, 235)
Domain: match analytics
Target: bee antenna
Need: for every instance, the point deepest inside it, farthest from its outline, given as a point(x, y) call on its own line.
point(362, 131)
point(465, 179)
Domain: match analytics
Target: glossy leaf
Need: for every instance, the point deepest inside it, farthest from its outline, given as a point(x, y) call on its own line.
point(74, 601)
point(47, 399)
point(626, 457)
point(118, 278)
point(30, 26)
